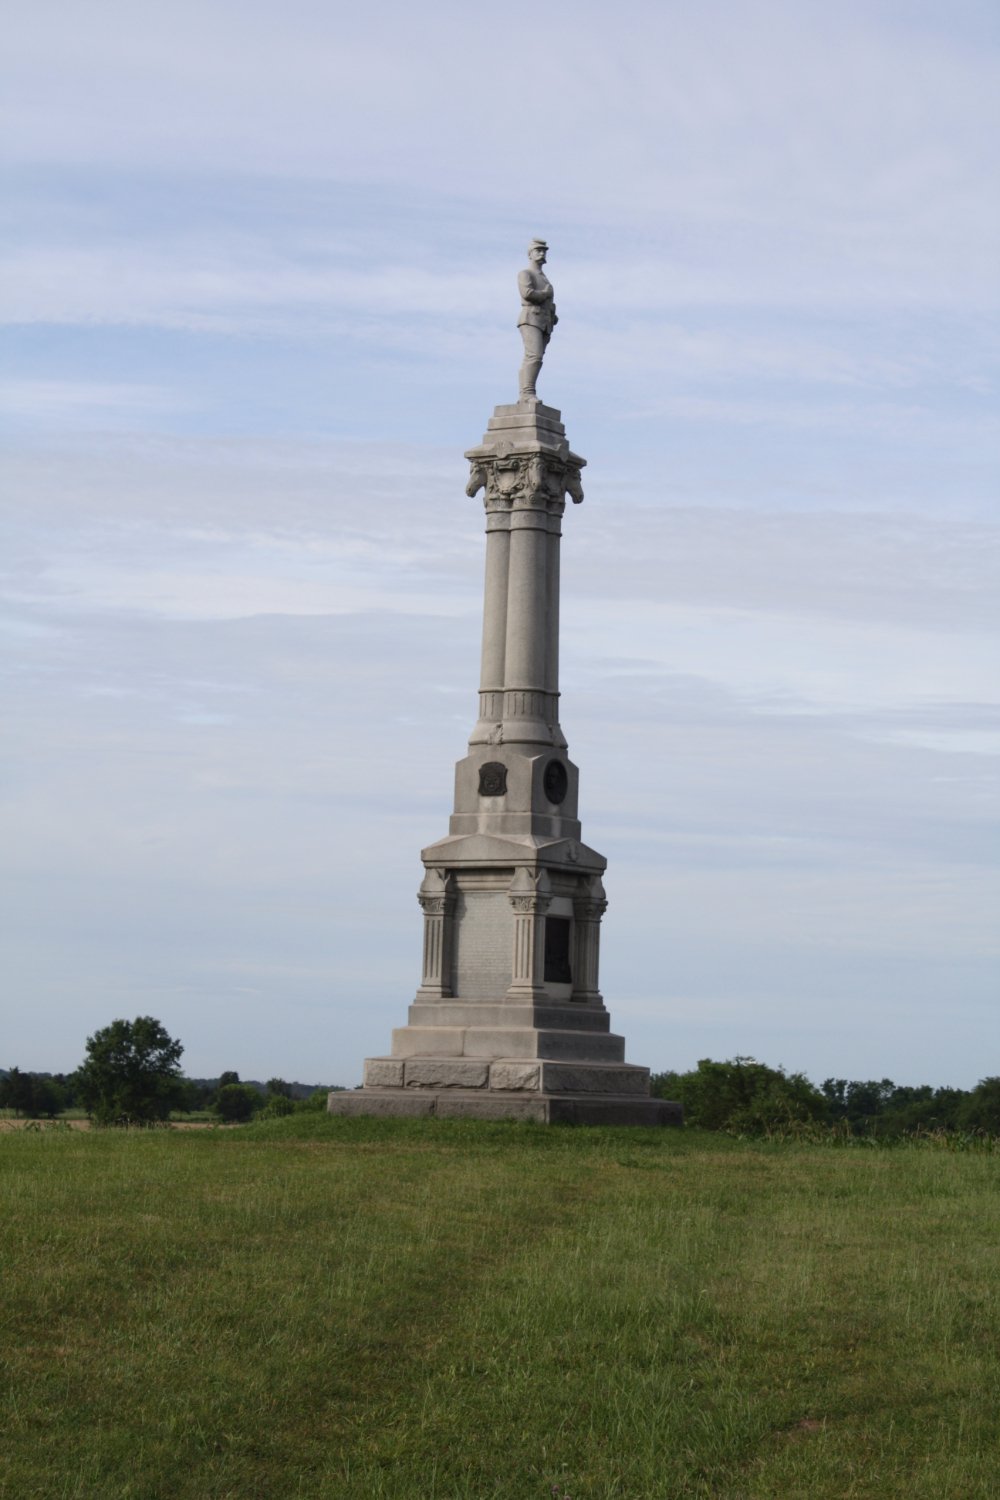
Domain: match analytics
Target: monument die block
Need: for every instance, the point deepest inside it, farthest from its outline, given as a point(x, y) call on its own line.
point(508, 1020)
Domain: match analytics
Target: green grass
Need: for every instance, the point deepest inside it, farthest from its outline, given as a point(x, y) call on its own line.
point(350, 1308)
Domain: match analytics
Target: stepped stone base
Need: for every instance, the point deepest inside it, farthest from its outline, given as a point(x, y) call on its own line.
point(551, 1091)
point(499, 1104)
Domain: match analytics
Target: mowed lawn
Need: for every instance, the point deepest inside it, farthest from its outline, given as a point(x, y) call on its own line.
point(341, 1308)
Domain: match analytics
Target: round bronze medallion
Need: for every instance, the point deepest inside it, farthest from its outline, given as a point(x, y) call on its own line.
point(555, 782)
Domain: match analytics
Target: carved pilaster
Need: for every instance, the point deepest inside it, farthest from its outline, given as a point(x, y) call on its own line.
point(437, 899)
point(530, 900)
point(588, 909)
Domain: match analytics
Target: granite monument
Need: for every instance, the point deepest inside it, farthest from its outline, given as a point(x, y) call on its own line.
point(508, 1020)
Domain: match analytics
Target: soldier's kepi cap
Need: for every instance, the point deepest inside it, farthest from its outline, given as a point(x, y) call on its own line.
point(537, 245)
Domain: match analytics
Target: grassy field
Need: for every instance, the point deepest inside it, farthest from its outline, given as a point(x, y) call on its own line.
point(340, 1308)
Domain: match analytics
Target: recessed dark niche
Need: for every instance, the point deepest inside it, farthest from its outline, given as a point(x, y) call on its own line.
point(555, 782)
point(557, 968)
point(493, 779)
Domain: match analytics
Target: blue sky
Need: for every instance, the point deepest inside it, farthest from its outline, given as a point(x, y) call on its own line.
point(258, 287)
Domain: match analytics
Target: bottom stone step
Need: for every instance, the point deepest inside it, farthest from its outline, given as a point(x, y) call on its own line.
point(539, 1075)
point(489, 1104)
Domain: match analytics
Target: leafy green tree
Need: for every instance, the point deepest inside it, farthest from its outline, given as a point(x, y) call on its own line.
point(741, 1095)
point(921, 1108)
point(17, 1092)
point(49, 1097)
point(861, 1103)
point(317, 1099)
point(237, 1102)
point(279, 1086)
point(276, 1106)
point(228, 1078)
point(131, 1072)
point(980, 1109)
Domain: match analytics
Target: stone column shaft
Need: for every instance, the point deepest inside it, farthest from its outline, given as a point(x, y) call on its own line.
point(494, 654)
point(527, 632)
point(552, 610)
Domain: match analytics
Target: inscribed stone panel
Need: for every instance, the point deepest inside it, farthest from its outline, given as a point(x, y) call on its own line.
point(484, 932)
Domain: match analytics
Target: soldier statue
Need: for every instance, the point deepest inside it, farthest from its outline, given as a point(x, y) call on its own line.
point(537, 318)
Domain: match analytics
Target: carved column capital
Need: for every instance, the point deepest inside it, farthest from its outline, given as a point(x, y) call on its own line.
point(537, 479)
point(536, 906)
point(435, 906)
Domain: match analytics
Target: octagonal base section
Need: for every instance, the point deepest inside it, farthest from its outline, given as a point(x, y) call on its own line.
point(497, 1104)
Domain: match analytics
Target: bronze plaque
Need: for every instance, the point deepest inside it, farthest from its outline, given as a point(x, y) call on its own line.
point(493, 779)
point(555, 782)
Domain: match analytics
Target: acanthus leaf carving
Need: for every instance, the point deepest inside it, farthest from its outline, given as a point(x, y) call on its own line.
point(534, 477)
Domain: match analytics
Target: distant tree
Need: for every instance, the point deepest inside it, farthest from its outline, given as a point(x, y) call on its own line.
point(317, 1099)
point(861, 1103)
point(131, 1072)
point(980, 1109)
point(17, 1092)
point(49, 1097)
point(881, 1107)
point(920, 1108)
point(237, 1102)
point(279, 1086)
point(276, 1106)
point(741, 1095)
point(188, 1095)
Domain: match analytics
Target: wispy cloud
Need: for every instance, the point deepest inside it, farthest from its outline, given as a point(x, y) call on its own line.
point(85, 404)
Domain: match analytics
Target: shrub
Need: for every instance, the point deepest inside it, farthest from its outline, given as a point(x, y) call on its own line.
point(980, 1109)
point(276, 1106)
point(237, 1102)
point(314, 1101)
point(741, 1096)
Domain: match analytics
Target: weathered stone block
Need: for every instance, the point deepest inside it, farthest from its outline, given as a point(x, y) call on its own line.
point(428, 1041)
point(515, 1075)
point(388, 1102)
point(595, 1078)
point(491, 1106)
point(444, 1073)
point(383, 1072)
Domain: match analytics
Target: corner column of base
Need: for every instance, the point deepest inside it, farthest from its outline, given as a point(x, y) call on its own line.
point(587, 913)
point(529, 897)
point(437, 898)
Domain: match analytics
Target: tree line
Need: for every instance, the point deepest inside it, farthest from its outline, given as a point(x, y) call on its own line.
point(747, 1097)
point(131, 1074)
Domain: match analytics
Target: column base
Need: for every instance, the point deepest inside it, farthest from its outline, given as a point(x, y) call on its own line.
point(490, 1104)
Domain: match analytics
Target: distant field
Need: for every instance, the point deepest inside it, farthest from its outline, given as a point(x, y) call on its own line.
point(418, 1309)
